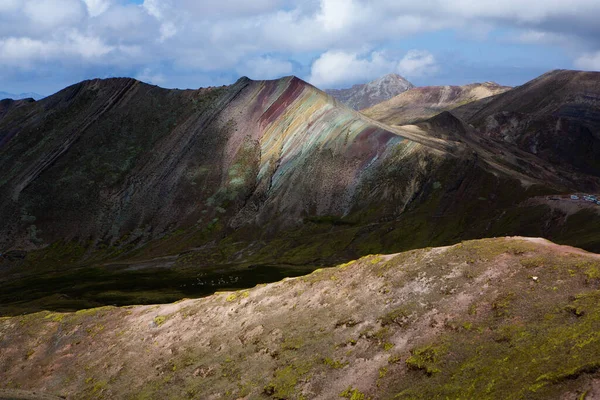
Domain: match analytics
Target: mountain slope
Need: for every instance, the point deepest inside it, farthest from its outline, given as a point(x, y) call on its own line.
point(492, 319)
point(554, 116)
point(367, 95)
point(424, 102)
point(164, 156)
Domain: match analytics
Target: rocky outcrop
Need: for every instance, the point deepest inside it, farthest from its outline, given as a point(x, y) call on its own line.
point(366, 95)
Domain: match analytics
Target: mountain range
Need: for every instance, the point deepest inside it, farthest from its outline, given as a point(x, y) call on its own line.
point(115, 192)
point(258, 173)
point(365, 95)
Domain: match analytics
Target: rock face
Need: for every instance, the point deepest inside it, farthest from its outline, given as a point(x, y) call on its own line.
point(367, 95)
point(418, 104)
point(556, 116)
point(508, 317)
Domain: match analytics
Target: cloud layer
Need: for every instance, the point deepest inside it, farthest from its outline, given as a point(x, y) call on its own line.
point(330, 42)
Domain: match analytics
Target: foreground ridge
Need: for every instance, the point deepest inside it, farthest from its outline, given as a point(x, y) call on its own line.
point(494, 318)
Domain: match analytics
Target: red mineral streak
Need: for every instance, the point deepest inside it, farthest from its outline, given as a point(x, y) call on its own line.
point(279, 106)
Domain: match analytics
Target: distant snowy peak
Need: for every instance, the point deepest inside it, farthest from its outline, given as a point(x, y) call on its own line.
point(35, 96)
point(367, 95)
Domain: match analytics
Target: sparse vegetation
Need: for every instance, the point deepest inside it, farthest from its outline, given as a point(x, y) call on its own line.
point(283, 384)
point(544, 338)
point(426, 358)
point(399, 316)
point(353, 394)
point(335, 364)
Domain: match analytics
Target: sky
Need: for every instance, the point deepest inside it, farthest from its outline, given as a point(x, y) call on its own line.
point(46, 45)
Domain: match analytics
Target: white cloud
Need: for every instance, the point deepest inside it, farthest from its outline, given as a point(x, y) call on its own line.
point(265, 68)
point(88, 47)
point(230, 7)
point(589, 61)
point(149, 76)
point(532, 36)
point(22, 51)
point(156, 8)
point(256, 37)
point(50, 14)
point(97, 7)
point(336, 68)
point(129, 24)
point(9, 5)
point(417, 63)
point(338, 14)
point(167, 30)
point(25, 51)
point(162, 10)
point(513, 11)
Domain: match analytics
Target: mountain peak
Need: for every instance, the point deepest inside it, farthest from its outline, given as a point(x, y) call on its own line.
point(391, 79)
point(391, 76)
point(366, 95)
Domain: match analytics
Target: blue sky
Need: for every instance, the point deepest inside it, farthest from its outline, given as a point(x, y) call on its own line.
point(46, 45)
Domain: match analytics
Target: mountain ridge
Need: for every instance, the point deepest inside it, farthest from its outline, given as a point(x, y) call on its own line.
point(276, 96)
point(554, 116)
point(420, 103)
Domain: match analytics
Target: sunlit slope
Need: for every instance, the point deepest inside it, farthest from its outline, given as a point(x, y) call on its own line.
point(421, 103)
